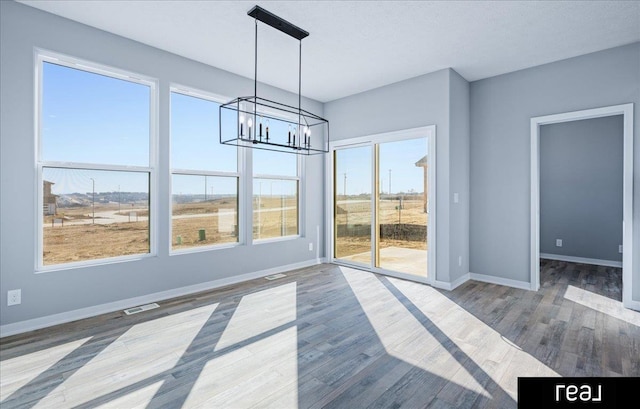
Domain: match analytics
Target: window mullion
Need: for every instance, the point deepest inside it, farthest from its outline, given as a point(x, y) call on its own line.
point(94, 166)
point(203, 173)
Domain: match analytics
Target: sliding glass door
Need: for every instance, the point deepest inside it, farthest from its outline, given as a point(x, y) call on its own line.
point(352, 209)
point(381, 205)
point(401, 207)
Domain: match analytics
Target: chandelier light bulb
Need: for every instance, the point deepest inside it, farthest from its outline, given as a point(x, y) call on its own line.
point(267, 130)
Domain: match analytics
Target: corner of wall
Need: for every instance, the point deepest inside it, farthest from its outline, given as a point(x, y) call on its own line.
point(459, 168)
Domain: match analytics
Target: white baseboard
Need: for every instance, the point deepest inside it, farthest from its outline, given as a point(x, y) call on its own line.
point(523, 285)
point(451, 286)
point(61, 318)
point(582, 260)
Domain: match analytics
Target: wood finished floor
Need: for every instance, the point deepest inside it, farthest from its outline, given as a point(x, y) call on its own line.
point(331, 337)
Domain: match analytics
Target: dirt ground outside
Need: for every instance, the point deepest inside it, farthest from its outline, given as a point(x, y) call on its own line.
point(75, 234)
point(355, 215)
point(106, 230)
point(71, 235)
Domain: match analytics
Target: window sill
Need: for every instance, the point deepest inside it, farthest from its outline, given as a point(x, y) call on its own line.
point(202, 249)
point(276, 239)
point(92, 263)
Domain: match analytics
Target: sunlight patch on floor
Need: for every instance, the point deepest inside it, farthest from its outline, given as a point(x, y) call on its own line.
point(139, 399)
point(260, 312)
point(402, 335)
point(602, 304)
point(266, 377)
point(19, 371)
point(501, 359)
point(145, 350)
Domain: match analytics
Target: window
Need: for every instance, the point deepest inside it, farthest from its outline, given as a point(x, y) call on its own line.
point(276, 186)
point(95, 162)
point(205, 178)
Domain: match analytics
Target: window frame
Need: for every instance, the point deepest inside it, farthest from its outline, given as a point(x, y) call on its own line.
point(238, 174)
point(299, 178)
point(41, 57)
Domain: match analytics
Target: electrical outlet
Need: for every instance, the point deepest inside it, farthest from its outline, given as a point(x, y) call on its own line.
point(14, 297)
point(558, 242)
point(460, 261)
point(456, 198)
point(310, 246)
point(620, 249)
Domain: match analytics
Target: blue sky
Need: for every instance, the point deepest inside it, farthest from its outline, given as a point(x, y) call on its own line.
point(399, 157)
point(195, 136)
point(91, 118)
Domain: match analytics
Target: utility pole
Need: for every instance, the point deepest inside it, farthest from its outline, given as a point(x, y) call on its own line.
point(389, 181)
point(345, 186)
point(93, 201)
point(119, 198)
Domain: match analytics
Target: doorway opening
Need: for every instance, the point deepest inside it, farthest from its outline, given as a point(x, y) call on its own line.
point(626, 111)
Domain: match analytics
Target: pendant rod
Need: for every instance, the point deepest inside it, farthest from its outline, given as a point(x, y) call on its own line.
point(255, 62)
point(255, 87)
point(300, 94)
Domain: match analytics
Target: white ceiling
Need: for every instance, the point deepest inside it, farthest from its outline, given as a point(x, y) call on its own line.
point(354, 46)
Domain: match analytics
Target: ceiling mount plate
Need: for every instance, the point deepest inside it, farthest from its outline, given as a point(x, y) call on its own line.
point(276, 22)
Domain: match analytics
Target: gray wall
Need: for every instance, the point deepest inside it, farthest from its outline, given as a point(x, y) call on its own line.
point(22, 29)
point(421, 101)
point(581, 188)
point(501, 109)
point(459, 175)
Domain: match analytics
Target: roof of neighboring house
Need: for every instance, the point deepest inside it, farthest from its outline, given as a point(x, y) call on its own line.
point(422, 162)
point(46, 181)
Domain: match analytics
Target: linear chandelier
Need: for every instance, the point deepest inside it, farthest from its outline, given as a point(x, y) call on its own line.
point(255, 122)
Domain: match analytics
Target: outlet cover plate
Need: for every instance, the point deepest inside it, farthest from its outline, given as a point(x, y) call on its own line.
point(14, 297)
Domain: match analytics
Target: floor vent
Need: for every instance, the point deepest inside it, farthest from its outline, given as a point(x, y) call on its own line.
point(275, 276)
point(135, 310)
